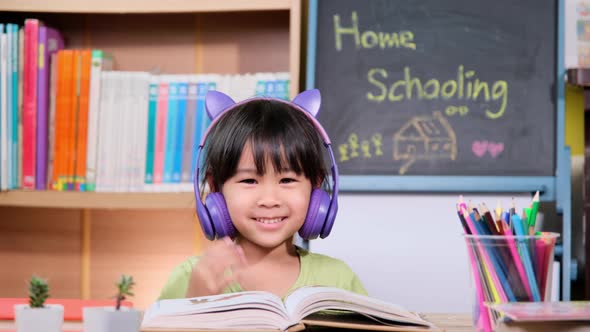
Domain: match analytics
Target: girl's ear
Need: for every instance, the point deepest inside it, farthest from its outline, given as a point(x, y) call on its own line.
point(210, 182)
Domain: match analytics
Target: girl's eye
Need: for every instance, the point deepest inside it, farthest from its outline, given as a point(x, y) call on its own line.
point(288, 180)
point(248, 181)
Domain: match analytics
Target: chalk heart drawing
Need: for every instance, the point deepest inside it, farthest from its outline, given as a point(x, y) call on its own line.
point(480, 148)
point(495, 148)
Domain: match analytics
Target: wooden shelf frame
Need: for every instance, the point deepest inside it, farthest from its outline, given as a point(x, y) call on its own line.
point(97, 200)
point(96, 223)
point(142, 6)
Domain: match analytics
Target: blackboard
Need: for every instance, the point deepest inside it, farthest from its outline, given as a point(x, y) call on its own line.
point(431, 87)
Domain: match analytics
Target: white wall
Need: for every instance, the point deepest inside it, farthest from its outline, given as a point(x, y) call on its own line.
point(408, 249)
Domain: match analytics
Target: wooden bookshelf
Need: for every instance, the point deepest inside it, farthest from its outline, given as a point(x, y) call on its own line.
point(82, 242)
point(142, 6)
point(92, 200)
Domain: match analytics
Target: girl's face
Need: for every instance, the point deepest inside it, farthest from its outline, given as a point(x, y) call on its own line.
point(268, 209)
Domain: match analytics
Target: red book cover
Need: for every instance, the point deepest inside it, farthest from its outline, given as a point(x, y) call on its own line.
point(30, 102)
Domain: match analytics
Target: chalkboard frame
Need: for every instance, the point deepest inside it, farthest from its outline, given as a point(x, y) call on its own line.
point(553, 188)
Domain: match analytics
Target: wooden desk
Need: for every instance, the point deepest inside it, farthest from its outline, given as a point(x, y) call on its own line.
point(448, 322)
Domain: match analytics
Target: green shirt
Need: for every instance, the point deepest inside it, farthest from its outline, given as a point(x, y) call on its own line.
point(316, 270)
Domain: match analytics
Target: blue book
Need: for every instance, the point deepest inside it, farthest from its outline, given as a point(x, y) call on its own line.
point(9, 105)
point(179, 131)
point(200, 122)
point(15, 80)
point(170, 132)
point(151, 131)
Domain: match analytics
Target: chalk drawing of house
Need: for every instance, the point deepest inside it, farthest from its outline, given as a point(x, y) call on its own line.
point(424, 137)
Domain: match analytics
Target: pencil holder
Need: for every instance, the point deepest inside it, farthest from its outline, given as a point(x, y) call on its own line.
point(507, 268)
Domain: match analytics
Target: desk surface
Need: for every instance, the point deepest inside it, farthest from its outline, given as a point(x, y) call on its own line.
point(448, 322)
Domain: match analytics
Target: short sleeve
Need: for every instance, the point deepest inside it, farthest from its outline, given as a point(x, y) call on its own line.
point(177, 283)
point(357, 286)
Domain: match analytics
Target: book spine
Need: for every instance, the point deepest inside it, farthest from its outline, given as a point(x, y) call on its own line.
point(161, 122)
point(50, 41)
point(189, 129)
point(51, 121)
point(20, 106)
point(3, 113)
point(201, 113)
point(42, 95)
point(15, 93)
point(151, 130)
point(100, 62)
point(142, 94)
point(170, 128)
point(82, 133)
point(30, 103)
point(179, 132)
point(9, 102)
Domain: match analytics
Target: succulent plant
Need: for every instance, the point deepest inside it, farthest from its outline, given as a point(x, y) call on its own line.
point(38, 292)
point(124, 289)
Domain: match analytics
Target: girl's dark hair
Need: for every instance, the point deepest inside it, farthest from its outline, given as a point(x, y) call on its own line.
point(276, 131)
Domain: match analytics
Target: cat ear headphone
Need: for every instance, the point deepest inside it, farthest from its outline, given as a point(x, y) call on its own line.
point(321, 213)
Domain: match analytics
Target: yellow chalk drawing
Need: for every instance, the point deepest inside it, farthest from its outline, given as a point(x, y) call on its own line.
point(426, 138)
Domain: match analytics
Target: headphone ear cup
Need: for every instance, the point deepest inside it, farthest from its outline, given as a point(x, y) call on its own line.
point(220, 219)
point(205, 221)
point(332, 211)
point(319, 203)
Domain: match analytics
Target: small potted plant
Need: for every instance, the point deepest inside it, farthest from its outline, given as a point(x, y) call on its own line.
point(117, 318)
point(38, 316)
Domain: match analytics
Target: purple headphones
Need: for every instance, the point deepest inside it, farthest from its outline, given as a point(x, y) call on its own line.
point(321, 213)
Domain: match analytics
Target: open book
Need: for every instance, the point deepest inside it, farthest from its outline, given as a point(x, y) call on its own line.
point(306, 306)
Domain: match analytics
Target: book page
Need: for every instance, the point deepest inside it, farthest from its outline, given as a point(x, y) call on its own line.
point(256, 310)
point(308, 300)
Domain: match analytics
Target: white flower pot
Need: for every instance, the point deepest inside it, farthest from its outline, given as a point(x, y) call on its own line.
point(107, 319)
point(47, 319)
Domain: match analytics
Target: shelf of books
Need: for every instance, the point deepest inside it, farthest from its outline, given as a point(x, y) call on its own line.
point(101, 111)
point(115, 103)
point(144, 6)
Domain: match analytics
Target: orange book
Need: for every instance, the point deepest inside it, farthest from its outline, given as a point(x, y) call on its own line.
point(71, 122)
point(63, 105)
point(81, 135)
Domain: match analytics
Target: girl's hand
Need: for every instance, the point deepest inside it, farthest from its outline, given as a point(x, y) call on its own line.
point(218, 267)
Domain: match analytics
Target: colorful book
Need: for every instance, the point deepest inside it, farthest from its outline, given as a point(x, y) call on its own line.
point(50, 41)
point(101, 61)
point(63, 123)
point(9, 102)
point(189, 145)
point(81, 133)
point(20, 106)
point(179, 131)
point(170, 128)
point(151, 129)
point(31, 48)
point(51, 121)
point(15, 106)
point(3, 113)
point(161, 122)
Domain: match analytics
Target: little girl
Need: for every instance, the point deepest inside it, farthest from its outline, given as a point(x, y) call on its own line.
point(264, 167)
